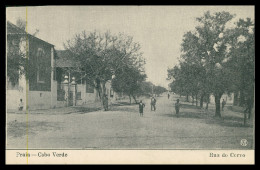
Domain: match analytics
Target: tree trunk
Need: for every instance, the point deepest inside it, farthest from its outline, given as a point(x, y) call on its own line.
point(251, 105)
point(235, 102)
point(130, 99)
point(207, 106)
point(201, 100)
point(192, 100)
point(249, 114)
point(102, 90)
point(187, 98)
point(134, 99)
point(242, 99)
point(217, 103)
point(244, 118)
point(196, 97)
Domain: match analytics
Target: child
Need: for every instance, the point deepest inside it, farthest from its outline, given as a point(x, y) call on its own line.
point(20, 105)
point(177, 107)
point(141, 108)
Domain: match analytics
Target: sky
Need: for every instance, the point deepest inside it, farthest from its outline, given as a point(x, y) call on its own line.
point(158, 29)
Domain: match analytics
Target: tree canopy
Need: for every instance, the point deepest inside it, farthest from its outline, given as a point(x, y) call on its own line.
point(216, 60)
point(105, 55)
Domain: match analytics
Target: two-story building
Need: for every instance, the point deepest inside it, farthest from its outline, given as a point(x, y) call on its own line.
point(40, 91)
point(52, 80)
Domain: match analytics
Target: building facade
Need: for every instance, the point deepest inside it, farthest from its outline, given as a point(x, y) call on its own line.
point(40, 90)
point(52, 80)
point(73, 89)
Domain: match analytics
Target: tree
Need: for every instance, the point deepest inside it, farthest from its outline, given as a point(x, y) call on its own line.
point(204, 55)
point(102, 55)
point(146, 89)
point(241, 62)
point(186, 79)
point(21, 24)
point(128, 81)
point(159, 90)
point(212, 50)
point(18, 64)
point(16, 51)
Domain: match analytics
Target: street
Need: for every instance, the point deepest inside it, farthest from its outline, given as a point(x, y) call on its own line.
point(122, 128)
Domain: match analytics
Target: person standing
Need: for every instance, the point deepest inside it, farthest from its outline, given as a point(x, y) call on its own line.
point(177, 107)
point(223, 104)
point(141, 108)
point(168, 95)
point(106, 103)
point(20, 108)
point(153, 103)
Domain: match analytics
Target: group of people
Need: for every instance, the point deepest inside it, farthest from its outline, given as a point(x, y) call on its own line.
point(153, 106)
point(142, 105)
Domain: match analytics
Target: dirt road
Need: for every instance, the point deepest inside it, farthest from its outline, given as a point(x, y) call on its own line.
point(123, 128)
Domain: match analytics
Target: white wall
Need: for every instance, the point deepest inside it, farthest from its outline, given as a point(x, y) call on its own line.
point(39, 100)
point(12, 100)
point(13, 96)
point(80, 88)
point(90, 97)
point(54, 94)
point(228, 99)
point(36, 99)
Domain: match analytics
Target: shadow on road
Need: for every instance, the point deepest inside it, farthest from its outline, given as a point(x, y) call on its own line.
point(128, 108)
point(187, 115)
point(188, 106)
point(19, 129)
point(124, 104)
point(86, 109)
point(229, 121)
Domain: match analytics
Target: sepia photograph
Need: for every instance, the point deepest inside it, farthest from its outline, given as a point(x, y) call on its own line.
point(112, 80)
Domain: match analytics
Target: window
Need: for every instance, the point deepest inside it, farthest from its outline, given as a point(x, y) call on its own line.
point(89, 88)
point(41, 70)
point(78, 96)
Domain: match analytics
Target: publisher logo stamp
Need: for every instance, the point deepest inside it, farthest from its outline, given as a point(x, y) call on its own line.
point(243, 142)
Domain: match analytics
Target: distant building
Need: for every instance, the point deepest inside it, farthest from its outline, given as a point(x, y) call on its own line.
point(80, 92)
point(68, 93)
point(228, 98)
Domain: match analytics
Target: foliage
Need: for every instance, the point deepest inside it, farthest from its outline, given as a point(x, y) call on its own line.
point(18, 64)
point(103, 55)
point(214, 59)
point(128, 81)
point(159, 90)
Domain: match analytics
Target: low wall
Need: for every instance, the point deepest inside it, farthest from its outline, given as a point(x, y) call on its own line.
point(39, 100)
point(13, 99)
point(36, 100)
